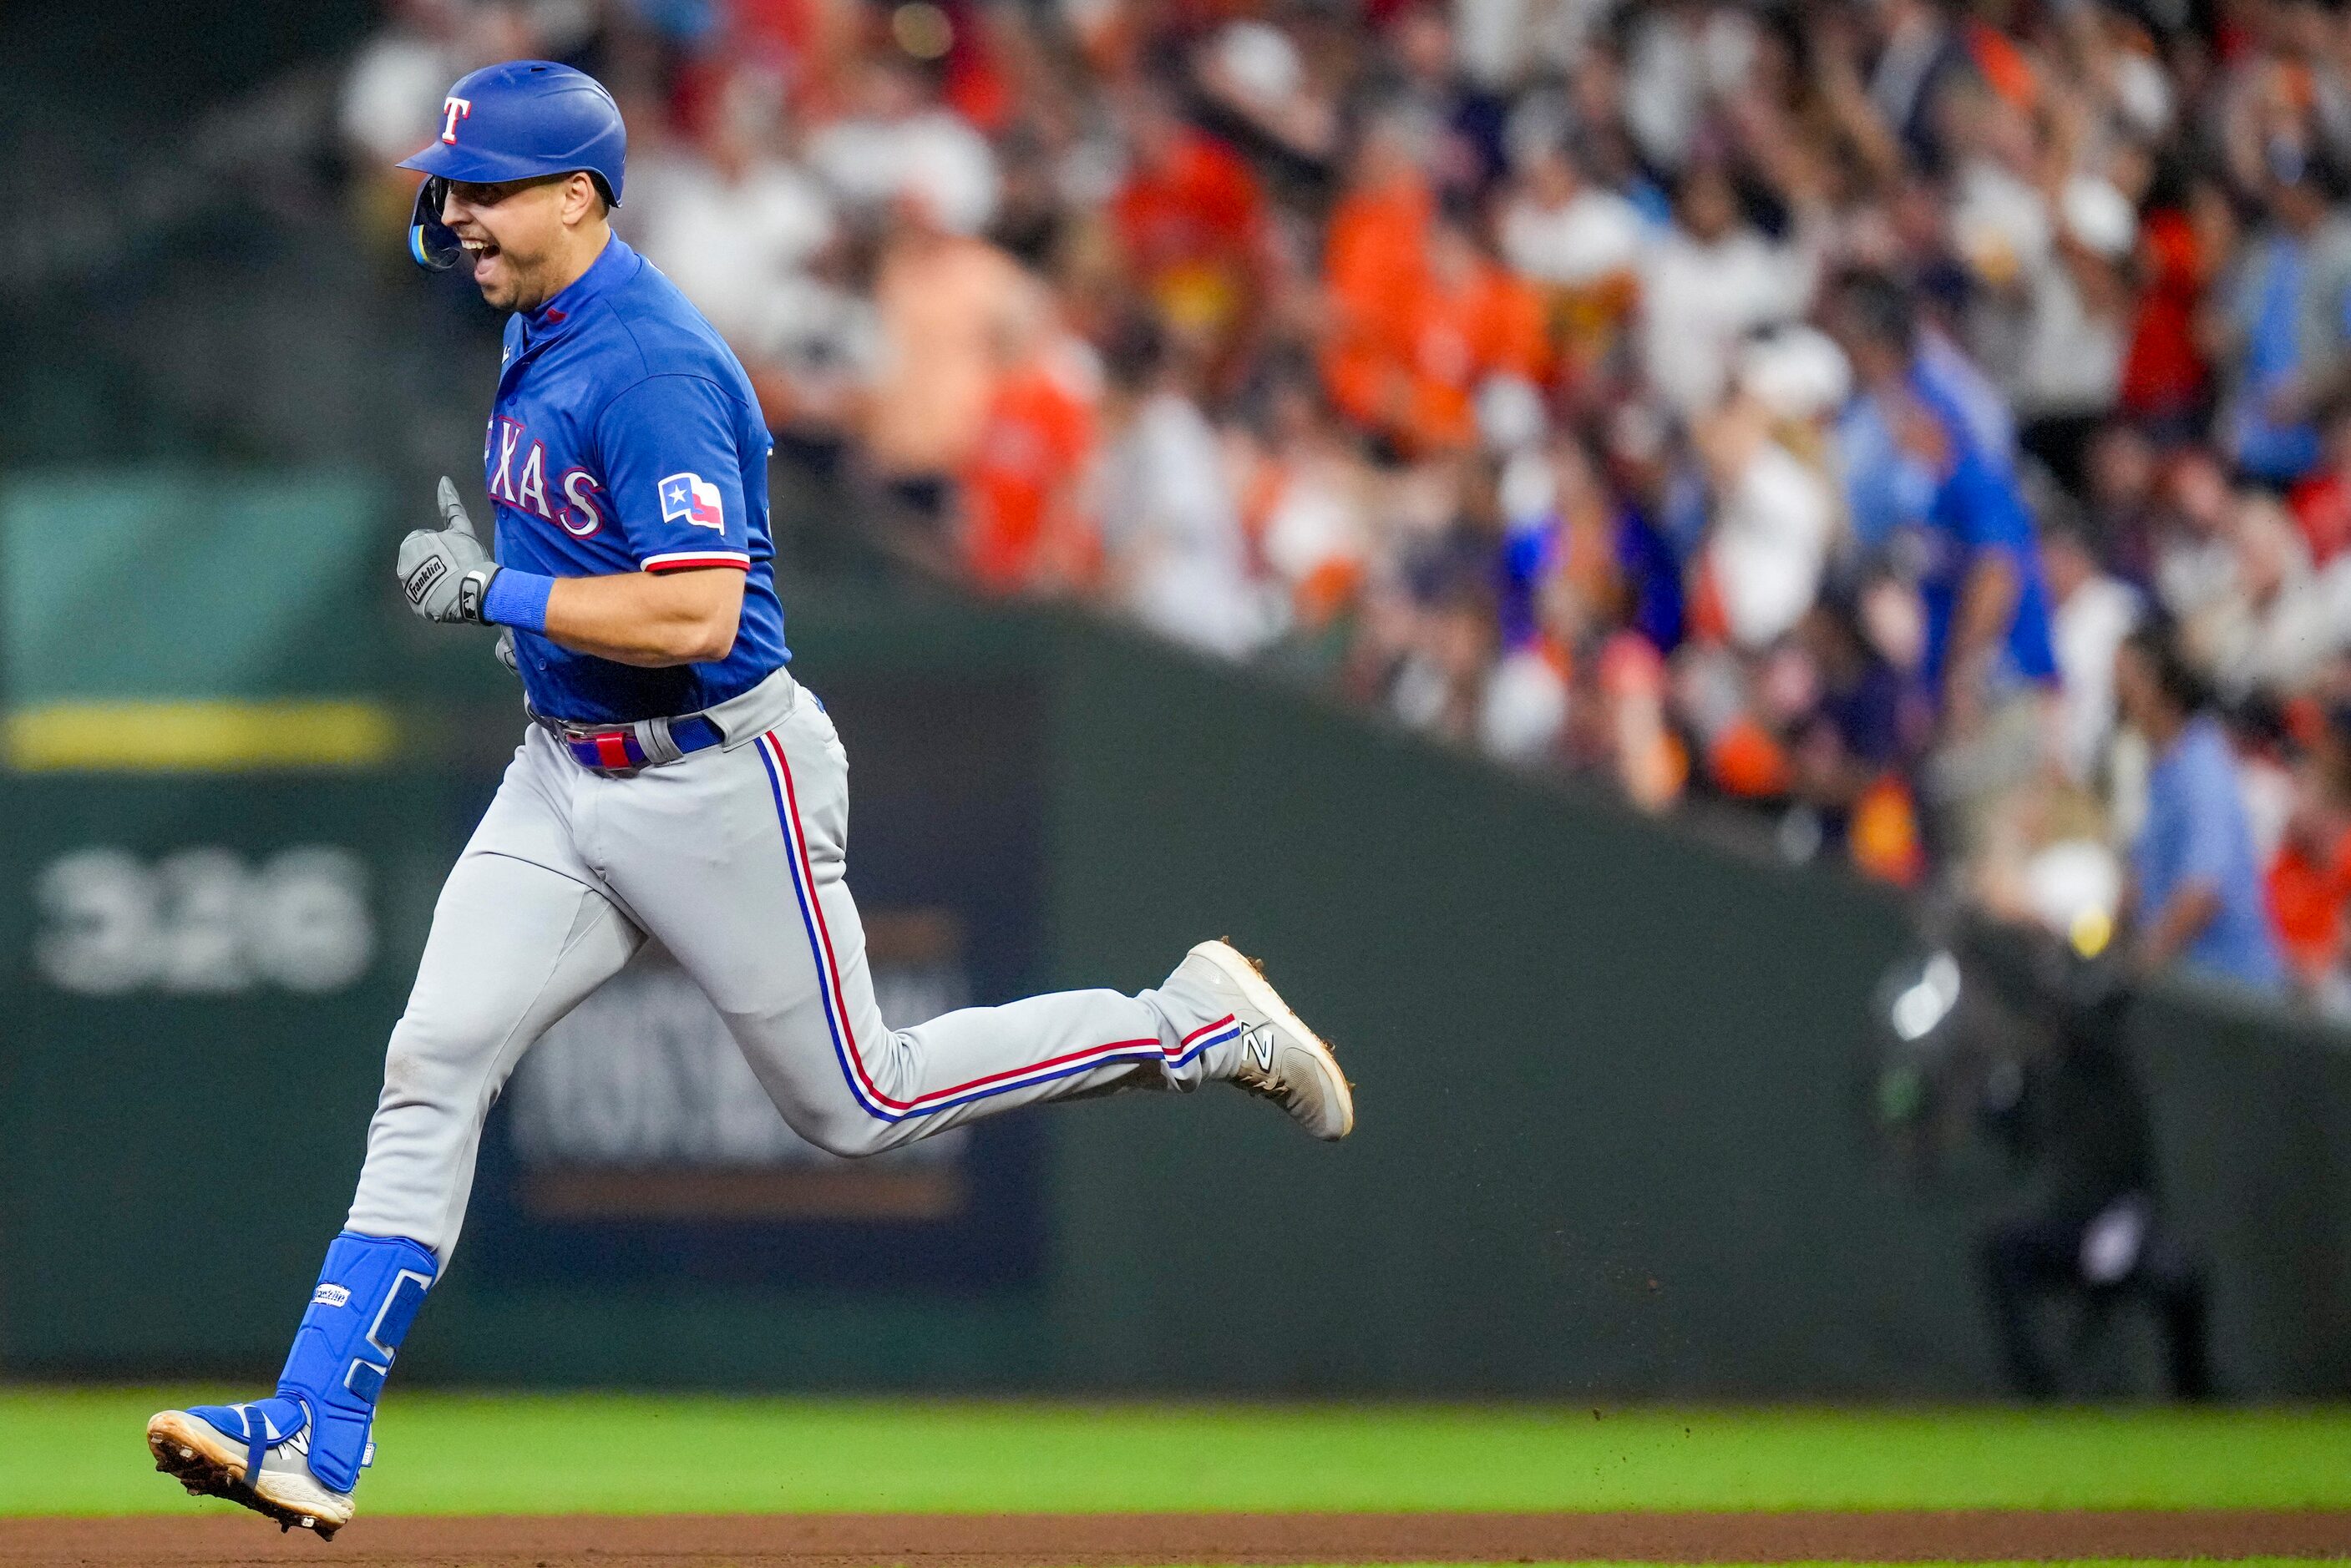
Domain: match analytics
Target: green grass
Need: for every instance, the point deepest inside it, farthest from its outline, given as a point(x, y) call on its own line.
point(80, 1452)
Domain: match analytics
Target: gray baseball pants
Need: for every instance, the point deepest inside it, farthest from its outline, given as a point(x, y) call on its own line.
point(734, 857)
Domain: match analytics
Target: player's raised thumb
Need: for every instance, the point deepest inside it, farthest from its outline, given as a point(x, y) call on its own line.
point(453, 511)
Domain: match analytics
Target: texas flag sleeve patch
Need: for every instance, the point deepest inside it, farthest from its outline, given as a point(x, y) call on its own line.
point(689, 498)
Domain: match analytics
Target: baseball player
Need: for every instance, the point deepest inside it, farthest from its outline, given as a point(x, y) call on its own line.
point(675, 782)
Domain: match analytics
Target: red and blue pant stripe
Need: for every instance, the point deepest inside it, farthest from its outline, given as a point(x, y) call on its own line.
point(862, 1086)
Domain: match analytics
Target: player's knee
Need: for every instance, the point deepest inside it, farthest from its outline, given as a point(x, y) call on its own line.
point(433, 1049)
point(852, 1135)
point(409, 1071)
point(832, 1119)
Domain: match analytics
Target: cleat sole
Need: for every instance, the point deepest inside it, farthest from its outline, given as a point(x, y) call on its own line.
point(208, 1465)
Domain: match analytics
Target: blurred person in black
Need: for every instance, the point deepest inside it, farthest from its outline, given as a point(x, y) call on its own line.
point(2092, 1236)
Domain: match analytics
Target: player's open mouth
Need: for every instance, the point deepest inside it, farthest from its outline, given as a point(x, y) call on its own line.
point(479, 251)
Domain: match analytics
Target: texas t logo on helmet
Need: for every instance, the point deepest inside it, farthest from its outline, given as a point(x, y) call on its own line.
point(524, 120)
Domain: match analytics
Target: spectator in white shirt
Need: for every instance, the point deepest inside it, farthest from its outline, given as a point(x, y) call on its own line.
point(1705, 285)
point(391, 102)
point(2076, 326)
point(1170, 520)
point(1773, 517)
point(2279, 622)
point(1563, 232)
point(900, 143)
point(736, 226)
point(2091, 613)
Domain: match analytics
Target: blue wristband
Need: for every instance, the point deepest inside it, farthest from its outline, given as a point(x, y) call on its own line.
point(517, 600)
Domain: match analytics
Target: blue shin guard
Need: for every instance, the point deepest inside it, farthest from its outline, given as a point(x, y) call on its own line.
point(368, 1294)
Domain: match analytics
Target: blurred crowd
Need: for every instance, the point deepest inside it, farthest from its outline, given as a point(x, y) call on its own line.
point(1925, 425)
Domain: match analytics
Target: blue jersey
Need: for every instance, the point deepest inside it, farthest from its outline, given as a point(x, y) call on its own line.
point(626, 438)
point(1974, 508)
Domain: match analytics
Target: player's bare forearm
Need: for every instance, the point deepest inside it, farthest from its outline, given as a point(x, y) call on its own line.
point(1987, 603)
point(2178, 924)
point(651, 621)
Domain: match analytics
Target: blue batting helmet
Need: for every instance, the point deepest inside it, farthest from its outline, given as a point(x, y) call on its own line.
point(518, 120)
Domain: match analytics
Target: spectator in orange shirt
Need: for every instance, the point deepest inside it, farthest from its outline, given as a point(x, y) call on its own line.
point(1374, 259)
point(2321, 501)
point(2308, 885)
point(1420, 313)
point(1024, 527)
point(2166, 380)
point(1471, 321)
point(1189, 219)
point(2310, 880)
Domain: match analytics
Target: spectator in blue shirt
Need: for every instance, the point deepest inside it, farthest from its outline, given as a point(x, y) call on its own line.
point(2197, 899)
point(1976, 561)
point(2287, 314)
point(1887, 487)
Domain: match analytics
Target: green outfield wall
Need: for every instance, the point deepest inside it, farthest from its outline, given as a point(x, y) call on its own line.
point(1610, 1140)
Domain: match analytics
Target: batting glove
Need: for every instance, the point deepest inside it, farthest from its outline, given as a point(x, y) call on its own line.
point(445, 572)
point(505, 649)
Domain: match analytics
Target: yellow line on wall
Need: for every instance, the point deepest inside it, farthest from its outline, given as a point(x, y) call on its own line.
point(196, 737)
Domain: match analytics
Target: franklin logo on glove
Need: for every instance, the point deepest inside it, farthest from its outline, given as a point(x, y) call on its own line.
point(445, 571)
point(420, 581)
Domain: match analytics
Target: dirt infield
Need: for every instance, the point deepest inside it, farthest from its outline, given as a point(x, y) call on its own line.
point(1114, 1540)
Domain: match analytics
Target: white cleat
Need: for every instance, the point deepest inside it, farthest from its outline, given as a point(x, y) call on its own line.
point(211, 1463)
point(1278, 1058)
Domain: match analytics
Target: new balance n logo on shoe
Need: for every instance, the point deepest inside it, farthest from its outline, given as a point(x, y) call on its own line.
point(1258, 1044)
